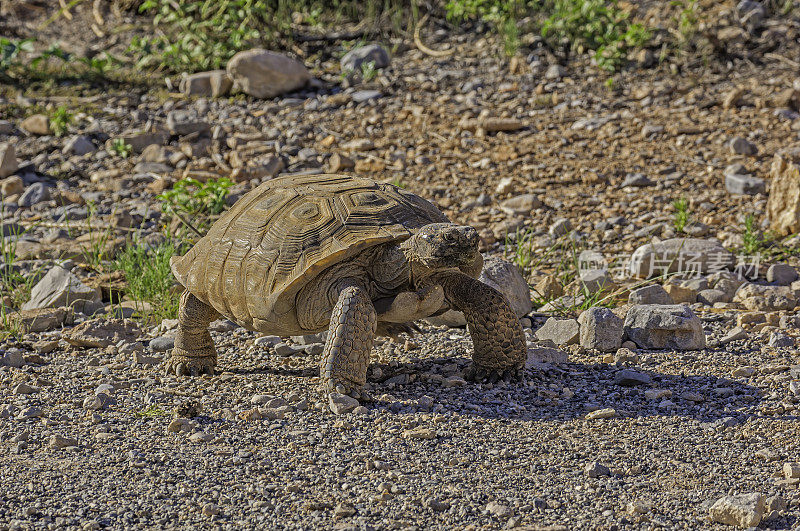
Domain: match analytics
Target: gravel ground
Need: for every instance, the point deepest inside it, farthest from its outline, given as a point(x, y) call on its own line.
point(429, 452)
point(99, 438)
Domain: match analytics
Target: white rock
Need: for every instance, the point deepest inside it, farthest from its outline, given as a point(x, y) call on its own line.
point(657, 327)
point(744, 510)
point(600, 329)
point(59, 287)
point(265, 74)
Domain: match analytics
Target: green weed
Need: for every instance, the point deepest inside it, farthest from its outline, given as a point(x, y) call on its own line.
point(121, 148)
point(681, 215)
point(190, 196)
point(60, 120)
point(152, 411)
point(597, 26)
point(368, 71)
point(149, 277)
point(753, 239)
point(686, 19)
point(96, 252)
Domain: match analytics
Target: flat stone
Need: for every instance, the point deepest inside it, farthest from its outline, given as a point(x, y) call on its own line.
point(360, 96)
point(710, 297)
point(99, 402)
point(59, 288)
point(265, 74)
point(341, 404)
point(630, 378)
point(688, 255)
point(652, 294)
point(559, 331)
point(8, 161)
point(778, 340)
point(658, 327)
point(537, 355)
point(743, 510)
point(40, 319)
point(605, 413)
point(100, 333)
point(745, 185)
point(639, 180)
point(58, 442)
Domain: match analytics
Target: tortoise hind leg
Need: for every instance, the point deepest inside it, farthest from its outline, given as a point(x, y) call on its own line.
point(194, 351)
point(500, 349)
point(346, 355)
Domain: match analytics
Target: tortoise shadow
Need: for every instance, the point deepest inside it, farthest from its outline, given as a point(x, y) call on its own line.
point(551, 392)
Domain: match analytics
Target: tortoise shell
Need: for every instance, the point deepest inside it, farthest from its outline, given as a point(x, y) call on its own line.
point(279, 236)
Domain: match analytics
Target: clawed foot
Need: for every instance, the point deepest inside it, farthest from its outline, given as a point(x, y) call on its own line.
point(479, 374)
point(345, 387)
point(190, 365)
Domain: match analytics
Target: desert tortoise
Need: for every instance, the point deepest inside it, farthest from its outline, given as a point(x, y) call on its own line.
point(301, 254)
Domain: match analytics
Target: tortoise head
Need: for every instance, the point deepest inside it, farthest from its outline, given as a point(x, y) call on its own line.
point(444, 246)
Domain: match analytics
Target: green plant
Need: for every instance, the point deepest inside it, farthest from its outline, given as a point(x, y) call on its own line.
point(60, 120)
point(10, 51)
point(192, 197)
point(503, 15)
point(368, 71)
point(149, 278)
point(686, 19)
point(597, 26)
point(681, 215)
point(152, 411)
point(97, 250)
point(753, 240)
point(121, 148)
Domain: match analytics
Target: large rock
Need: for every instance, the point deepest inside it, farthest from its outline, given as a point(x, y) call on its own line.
point(783, 205)
point(34, 194)
point(765, 298)
point(8, 160)
point(744, 184)
point(60, 287)
point(744, 510)
point(652, 294)
point(688, 255)
point(100, 333)
point(559, 331)
point(600, 329)
point(375, 53)
point(264, 74)
point(503, 276)
point(36, 124)
point(214, 83)
point(658, 327)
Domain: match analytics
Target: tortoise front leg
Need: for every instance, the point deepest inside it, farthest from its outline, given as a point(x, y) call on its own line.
point(500, 349)
point(194, 352)
point(346, 355)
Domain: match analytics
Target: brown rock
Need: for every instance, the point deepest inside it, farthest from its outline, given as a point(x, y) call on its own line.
point(339, 162)
point(100, 333)
point(41, 320)
point(36, 124)
point(11, 186)
point(732, 98)
point(8, 161)
point(265, 74)
point(783, 205)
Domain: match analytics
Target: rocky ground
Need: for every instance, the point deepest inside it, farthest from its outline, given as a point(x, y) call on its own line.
point(677, 408)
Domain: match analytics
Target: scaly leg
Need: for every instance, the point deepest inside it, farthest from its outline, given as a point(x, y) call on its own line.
point(346, 355)
point(194, 352)
point(499, 343)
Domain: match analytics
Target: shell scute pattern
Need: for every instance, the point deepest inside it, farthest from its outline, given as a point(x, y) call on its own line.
point(283, 233)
